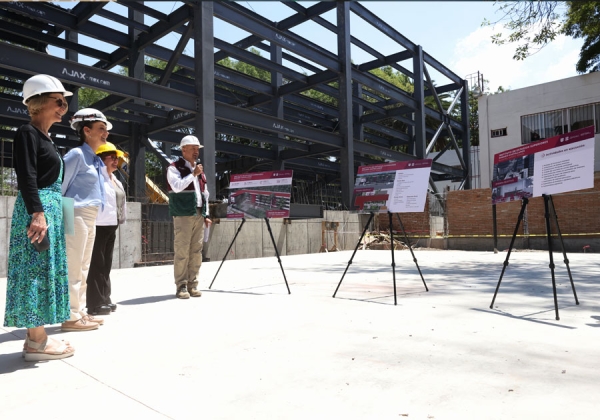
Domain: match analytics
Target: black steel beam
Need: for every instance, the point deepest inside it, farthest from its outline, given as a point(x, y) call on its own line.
point(275, 125)
point(384, 87)
point(176, 54)
point(386, 61)
point(85, 11)
point(140, 7)
point(389, 132)
point(258, 61)
point(237, 131)
point(63, 19)
point(34, 62)
point(243, 18)
point(294, 87)
point(315, 149)
point(156, 31)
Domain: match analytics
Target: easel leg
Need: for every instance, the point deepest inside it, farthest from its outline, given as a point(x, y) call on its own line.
point(411, 251)
point(512, 242)
point(393, 262)
point(277, 253)
point(549, 238)
point(354, 253)
point(227, 253)
point(562, 244)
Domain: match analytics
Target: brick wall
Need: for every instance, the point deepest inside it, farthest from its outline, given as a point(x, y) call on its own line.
point(416, 224)
point(470, 212)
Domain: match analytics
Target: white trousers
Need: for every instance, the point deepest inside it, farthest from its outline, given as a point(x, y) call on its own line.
point(79, 253)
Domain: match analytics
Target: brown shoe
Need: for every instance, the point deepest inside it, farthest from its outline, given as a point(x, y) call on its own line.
point(91, 318)
point(194, 292)
point(182, 292)
point(79, 325)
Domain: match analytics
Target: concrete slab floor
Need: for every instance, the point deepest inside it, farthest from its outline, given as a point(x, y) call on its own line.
point(248, 350)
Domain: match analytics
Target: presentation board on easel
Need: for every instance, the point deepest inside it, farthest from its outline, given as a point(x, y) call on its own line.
point(555, 165)
point(396, 187)
point(259, 195)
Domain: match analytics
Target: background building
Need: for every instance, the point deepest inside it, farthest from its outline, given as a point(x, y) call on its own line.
point(511, 119)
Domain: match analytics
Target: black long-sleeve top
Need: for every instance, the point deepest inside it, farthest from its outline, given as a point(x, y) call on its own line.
point(37, 164)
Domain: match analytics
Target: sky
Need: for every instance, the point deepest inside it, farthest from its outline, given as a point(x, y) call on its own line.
point(450, 31)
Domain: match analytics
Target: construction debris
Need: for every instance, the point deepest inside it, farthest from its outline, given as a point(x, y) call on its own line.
point(380, 240)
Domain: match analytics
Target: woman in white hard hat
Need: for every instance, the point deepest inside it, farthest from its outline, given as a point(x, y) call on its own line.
point(37, 290)
point(108, 220)
point(84, 183)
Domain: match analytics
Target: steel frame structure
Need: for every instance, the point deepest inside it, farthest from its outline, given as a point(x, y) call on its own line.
point(293, 130)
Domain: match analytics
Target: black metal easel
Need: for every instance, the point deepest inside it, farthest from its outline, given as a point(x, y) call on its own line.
point(392, 248)
point(274, 246)
point(548, 205)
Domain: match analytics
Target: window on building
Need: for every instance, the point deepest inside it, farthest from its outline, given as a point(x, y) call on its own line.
point(540, 126)
point(548, 124)
point(554, 123)
point(500, 132)
point(581, 116)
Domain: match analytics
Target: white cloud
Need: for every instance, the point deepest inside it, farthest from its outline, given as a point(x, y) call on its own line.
point(475, 52)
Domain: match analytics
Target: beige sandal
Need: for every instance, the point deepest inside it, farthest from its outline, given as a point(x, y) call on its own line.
point(41, 353)
point(27, 341)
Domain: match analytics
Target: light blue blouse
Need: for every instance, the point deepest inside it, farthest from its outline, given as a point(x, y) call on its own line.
point(83, 181)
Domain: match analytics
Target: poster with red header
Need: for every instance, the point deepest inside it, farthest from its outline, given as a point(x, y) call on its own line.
point(554, 165)
point(397, 187)
point(260, 194)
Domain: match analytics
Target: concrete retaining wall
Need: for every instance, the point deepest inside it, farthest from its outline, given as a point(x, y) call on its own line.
point(127, 251)
point(297, 237)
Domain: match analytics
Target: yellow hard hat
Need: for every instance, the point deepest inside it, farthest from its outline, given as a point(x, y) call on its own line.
point(109, 147)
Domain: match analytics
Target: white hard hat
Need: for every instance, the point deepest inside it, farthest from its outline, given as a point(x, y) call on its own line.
point(88, 114)
point(42, 83)
point(190, 140)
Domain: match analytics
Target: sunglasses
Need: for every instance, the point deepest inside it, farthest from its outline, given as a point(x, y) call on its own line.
point(60, 102)
point(112, 157)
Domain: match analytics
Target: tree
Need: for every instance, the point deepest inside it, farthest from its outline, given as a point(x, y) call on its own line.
point(474, 112)
point(534, 24)
point(583, 21)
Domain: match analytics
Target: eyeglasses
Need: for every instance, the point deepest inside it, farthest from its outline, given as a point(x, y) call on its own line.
point(113, 157)
point(62, 103)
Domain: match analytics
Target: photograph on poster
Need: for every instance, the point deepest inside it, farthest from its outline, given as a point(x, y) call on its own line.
point(260, 194)
point(555, 165)
point(397, 187)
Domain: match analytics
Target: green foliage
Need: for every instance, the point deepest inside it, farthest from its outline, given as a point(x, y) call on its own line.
point(88, 97)
point(534, 24)
point(583, 21)
point(247, 69)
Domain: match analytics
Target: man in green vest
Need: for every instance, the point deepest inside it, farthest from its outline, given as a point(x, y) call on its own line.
point(188, 204)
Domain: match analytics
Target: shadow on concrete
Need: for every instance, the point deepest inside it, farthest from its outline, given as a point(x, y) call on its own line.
point(526, 278)
point(524, 318)
point(147, 299)
point(370, 300)
point(241, 291)
point(13, 362)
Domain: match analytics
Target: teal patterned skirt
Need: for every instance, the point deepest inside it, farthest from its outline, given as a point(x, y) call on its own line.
point(37, 289)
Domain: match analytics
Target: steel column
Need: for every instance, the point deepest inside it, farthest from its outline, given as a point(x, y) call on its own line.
point(466, 135)
point(137, 151)
point(420, 140)
point(345, 103)
point(205, 87)
point(277, 103)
